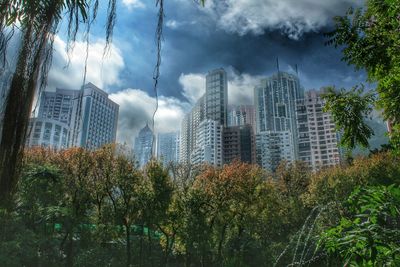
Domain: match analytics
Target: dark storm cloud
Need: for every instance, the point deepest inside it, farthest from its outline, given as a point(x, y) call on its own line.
point(195, 42)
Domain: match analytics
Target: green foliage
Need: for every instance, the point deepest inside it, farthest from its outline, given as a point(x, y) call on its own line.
point(95, 208)
point(370, 40)
point(349, 109)
point(369, 235)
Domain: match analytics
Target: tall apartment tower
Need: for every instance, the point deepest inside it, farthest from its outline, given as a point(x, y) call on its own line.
point(185, 140)
point(322, 132)
point(95, 119)
point(144, 145)
point(242, 115)
point(208, 146)
point(168, 147)
point(211, 107)
point(189, 126)
point(239, 144)
point(217, 96)
point(276, 103)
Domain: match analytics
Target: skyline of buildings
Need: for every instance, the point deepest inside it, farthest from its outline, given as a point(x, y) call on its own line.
point(284, 124)
point(287, 124)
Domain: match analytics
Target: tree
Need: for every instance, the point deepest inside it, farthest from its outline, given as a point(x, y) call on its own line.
point(369, 38)
point(38, 23)
point(349, 109)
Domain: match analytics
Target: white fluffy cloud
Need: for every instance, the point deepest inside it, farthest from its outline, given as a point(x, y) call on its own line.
point(132, 4)
point(101, 71)
point(193, 85)
point(240, 86)
point(292, 17)
point(136, 109)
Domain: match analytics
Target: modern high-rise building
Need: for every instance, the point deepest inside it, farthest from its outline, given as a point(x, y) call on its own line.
point(239, 144)
point(322, 132)
point(273, 147)
point(88, 115)
point(185, 140)
point(95, 119)
point(276, 118)
point(211, 106)
point(217, 96)
point(168, 147)
point(58, 105)
point(144, 146)
point(242, 115)
point(208, 146)
point(189, 126)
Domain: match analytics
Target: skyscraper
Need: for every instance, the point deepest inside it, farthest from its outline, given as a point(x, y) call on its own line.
point(273, 147)
point(239, 144)
point(95, 118)
point(212, 106)
point(144, 145)
point(242, 115)
point(168, 147)
point(88, 116)
point(322, 132)
point(58, 105)
point(275, 103)
point(208, 146)
point(217, 96)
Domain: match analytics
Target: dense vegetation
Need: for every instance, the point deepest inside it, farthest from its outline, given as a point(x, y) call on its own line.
point(82, 208)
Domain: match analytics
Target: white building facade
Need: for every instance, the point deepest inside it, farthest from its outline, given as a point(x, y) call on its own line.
point(47, 133)
point(323, 136)
point(276, 119)
point(208, 146)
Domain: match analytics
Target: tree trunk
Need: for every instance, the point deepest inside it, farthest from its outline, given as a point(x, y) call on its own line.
point(128, 245)
point(150, 248)
point(18, 107)
point(69, 251)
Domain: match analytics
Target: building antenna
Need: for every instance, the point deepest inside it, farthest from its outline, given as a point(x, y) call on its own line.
point(297, 71)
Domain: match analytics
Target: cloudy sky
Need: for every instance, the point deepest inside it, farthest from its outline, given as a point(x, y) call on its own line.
point(243, 36)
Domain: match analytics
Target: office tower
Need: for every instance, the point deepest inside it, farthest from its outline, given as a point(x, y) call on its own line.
point(323, 136)
point(273, 147)
point(242, 115)
point(239, 144)
point(47, 133)
point(275, 102)
point(217, 96)
point(95, 119)
point(208, 146)
point(88, 115)
point(58, 105)
point(168, 147)
point(144, 146)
